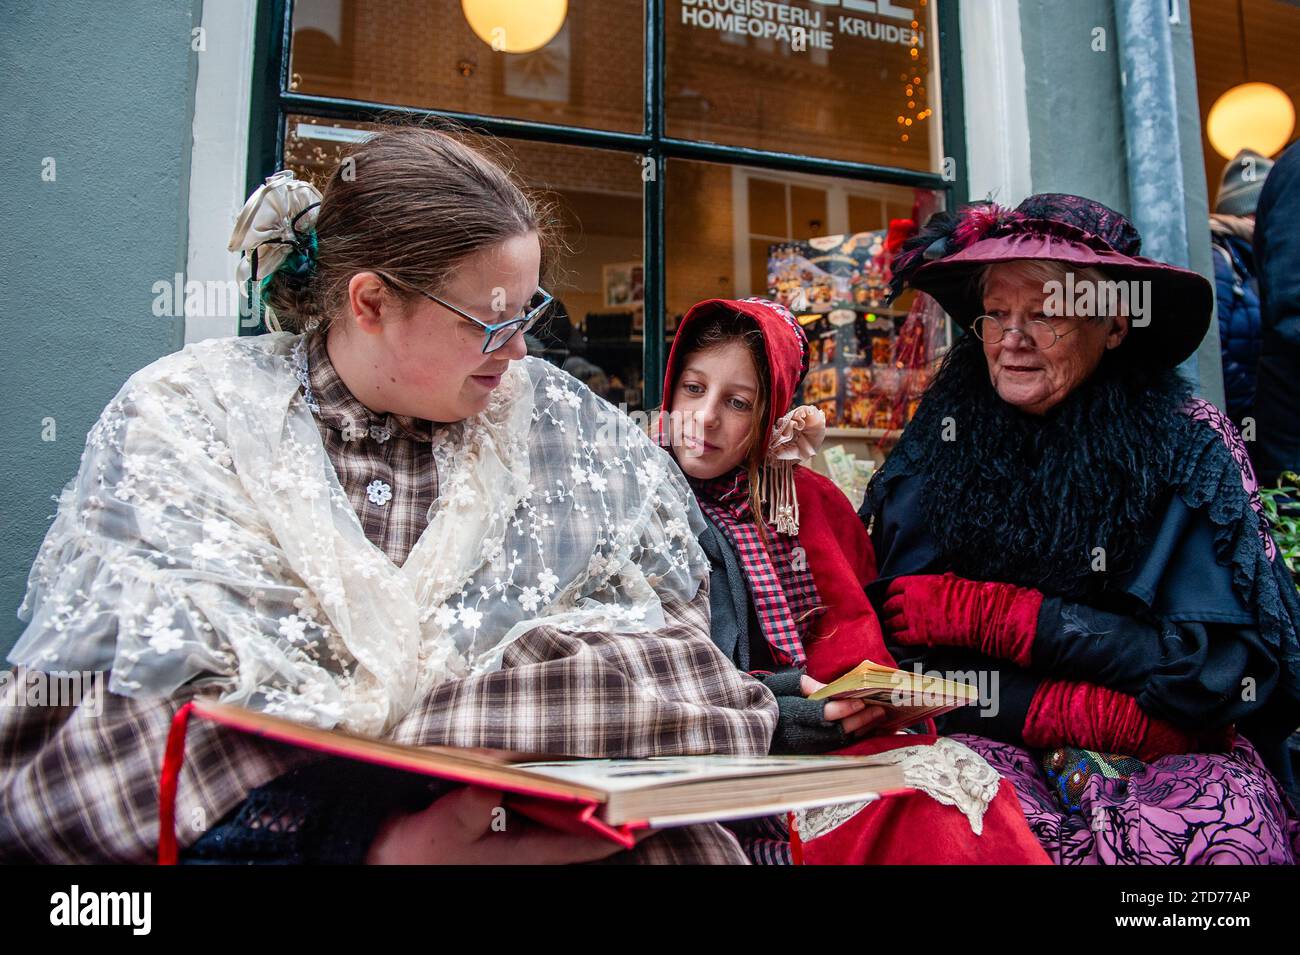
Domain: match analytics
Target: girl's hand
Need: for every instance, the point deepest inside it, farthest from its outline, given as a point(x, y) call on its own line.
point(457, 830)
point(855, 717)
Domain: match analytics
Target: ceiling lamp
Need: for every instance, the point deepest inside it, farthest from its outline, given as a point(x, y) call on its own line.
point(1256, 116)
point(515, 26)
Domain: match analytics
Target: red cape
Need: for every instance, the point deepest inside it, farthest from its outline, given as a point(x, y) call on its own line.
point(902, 829)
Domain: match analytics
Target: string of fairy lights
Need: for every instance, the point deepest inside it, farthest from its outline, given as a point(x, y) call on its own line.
point(913, 80)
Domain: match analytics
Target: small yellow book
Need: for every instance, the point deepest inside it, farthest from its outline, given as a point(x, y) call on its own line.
point(907, 696)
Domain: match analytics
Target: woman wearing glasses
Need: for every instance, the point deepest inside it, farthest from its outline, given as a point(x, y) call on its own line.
point(384, 518)
point(1062, 513)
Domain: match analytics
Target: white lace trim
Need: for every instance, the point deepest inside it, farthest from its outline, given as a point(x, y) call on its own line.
point(949, 772)
point(298, 356)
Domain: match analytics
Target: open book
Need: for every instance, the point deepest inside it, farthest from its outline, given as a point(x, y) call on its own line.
point(613, 796)
point(908, 697)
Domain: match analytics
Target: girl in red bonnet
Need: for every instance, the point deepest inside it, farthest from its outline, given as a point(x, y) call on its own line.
point(790, 561)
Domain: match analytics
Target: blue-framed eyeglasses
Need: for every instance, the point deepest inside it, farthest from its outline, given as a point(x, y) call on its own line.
point(495, 335)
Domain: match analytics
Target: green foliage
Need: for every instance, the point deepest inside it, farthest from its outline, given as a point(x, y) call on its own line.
point(1282, 505)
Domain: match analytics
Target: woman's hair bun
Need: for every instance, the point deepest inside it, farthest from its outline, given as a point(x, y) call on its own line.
point(291, 296)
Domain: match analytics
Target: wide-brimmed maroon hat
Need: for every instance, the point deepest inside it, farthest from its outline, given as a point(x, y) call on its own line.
point(946, 258)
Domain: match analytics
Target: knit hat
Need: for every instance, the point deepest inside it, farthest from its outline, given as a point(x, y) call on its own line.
point(1242, 182)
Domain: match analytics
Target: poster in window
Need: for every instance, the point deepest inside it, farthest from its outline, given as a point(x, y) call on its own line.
point(624, 284)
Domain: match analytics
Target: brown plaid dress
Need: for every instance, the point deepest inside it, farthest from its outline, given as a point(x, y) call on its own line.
point(386, 463)
point(77, 785)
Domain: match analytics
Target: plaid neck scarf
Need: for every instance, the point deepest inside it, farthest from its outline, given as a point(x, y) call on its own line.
point(780, 583)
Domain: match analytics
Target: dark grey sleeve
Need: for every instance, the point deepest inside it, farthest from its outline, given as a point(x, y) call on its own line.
point(801, 726)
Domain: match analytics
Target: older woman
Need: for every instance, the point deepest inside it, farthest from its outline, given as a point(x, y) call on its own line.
point(1061, 514)
point(383, 518)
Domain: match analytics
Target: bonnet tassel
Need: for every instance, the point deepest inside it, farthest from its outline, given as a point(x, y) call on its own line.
point(776, 487)
point(795, 439)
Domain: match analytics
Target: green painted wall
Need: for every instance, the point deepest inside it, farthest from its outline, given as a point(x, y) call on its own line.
point(106, 90)
point(1074, 76)
point(1076, 115)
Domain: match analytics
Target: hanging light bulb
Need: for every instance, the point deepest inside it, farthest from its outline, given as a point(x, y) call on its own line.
point(1256, 116)
point(515, 26)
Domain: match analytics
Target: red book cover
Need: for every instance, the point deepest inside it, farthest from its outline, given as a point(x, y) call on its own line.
point(559, 805)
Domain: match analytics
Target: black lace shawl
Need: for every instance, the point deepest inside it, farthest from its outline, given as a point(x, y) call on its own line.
point(1027, 500)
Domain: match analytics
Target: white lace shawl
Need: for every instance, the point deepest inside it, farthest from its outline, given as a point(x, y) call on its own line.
point(206, 539)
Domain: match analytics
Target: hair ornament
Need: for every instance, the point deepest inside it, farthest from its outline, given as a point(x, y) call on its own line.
point(276, 228)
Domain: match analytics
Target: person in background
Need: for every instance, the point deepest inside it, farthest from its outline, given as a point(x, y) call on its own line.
point(787, 604)
point(1277, 263)
point(1232, 232)
point(589, 373)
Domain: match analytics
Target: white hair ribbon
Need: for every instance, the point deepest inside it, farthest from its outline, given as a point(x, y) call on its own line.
point(274, 220)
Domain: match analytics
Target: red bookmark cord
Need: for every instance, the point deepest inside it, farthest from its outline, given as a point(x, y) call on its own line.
point(173, 759)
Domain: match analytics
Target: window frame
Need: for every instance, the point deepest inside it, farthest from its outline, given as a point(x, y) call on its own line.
point(273, 102)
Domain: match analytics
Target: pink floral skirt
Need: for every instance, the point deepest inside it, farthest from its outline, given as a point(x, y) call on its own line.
point(1194, 809)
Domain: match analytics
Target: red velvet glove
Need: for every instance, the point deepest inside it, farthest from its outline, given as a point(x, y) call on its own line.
point(1094, 717)
point(999, 620)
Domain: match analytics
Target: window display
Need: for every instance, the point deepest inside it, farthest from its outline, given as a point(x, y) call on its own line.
point(475, 57)
point(652, 126)
point(868, 362)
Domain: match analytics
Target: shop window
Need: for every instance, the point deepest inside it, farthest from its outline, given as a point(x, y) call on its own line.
point(792, 207)
point(1237, 42)
point(427, 53)
point(843, 79)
